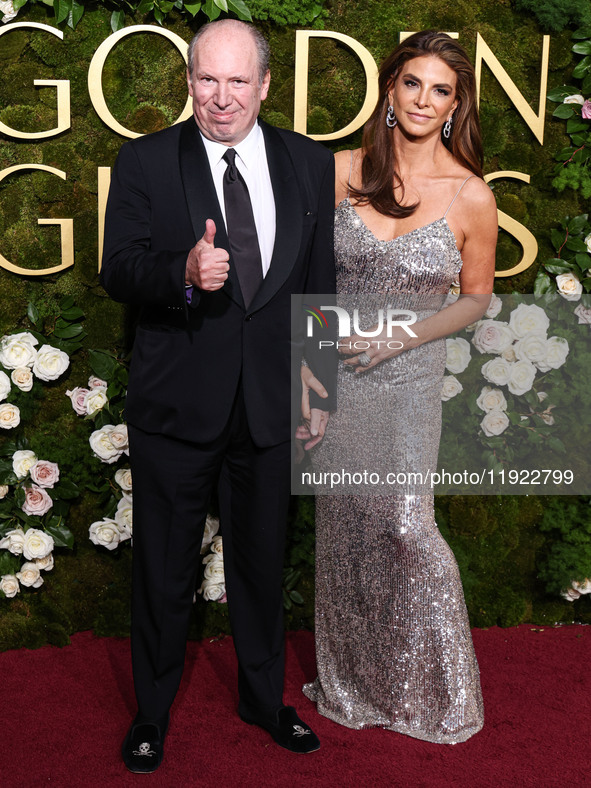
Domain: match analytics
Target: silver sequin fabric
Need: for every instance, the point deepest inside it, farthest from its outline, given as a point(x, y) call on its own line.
point(393, 643)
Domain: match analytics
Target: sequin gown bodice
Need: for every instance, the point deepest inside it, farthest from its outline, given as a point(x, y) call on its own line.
point(393, 644)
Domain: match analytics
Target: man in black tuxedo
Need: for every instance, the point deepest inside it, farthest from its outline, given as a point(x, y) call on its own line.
point(209, 390)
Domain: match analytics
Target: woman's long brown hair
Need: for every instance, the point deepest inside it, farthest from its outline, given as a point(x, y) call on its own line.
point(379, 175)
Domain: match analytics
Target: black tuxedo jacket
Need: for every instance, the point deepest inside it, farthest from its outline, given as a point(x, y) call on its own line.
point(188, 361)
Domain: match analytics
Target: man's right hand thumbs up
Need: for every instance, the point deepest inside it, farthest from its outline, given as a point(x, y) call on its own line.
point(207, 267)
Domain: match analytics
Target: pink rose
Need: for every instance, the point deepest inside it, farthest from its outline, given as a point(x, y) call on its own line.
point(96, 383)
point(45, 473)
point(586, 110)
point(37, 501)
point(78, 399)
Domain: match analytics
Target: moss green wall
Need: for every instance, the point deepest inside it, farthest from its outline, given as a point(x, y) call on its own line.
point(497, 540)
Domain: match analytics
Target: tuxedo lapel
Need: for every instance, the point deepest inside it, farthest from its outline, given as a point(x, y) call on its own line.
point(288, 216)
point(202, 199)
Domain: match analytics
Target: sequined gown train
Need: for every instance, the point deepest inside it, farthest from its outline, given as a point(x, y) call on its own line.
point(393, 644)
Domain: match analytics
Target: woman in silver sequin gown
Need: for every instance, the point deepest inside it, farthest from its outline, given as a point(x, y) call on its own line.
point(393, 642)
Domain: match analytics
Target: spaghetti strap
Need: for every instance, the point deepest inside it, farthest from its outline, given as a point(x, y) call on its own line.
point(350, 173)
point(456, 194)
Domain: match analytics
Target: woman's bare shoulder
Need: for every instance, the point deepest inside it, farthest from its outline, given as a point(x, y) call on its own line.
point(346, 164)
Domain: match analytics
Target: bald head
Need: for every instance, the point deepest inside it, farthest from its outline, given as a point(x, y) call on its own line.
point(229, 26)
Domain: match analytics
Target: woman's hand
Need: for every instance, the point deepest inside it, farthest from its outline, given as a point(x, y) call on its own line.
point(365, 353)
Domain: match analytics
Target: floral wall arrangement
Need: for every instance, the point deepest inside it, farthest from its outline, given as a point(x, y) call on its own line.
point(515, 558)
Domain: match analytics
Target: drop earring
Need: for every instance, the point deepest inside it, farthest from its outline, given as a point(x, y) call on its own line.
point(447, 127)
point(391, 118)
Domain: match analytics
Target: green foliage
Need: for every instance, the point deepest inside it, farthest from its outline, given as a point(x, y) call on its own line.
point(288, 12)
point(555, 15)
point(70, 12)
point(568, 558)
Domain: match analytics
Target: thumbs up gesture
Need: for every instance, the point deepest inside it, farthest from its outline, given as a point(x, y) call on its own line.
point(207, 267)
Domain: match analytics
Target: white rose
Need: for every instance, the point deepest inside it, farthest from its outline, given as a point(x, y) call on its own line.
point(10, 12)
point(492, 336)
point(124, 517)
point(9, 584)
point(45, 563)
point(522, 377)
point(583, 313)
point(50, 363)
point(3, 491)
point(569, 286)
point(531, 347)
point(14, 541)
point(570, 594)
point(96, 383)
point(556, 352)
point(495, 306)
point(37, 544)
point(102, 446)
point(212, 592)
point(509, 354)
point(576, 98)
point(450, 387)
point(491, 399)
point(105, 533)
point(584, 587)
point(45, 473)
point(10, 416)
point(4, 385)
point(23, 378)
point(528, 318)
point(458, 355)
point(494, 423)
point(95, 400)
point(212, 525)
point(30, 575)
point(497, 371)
point(22, 462)
point(214, 568)
point(588, 242)
point(123, 478)
point(217, 546)
point(37, 501)
point(78, 399)
point(18, 350)
point(119, 438)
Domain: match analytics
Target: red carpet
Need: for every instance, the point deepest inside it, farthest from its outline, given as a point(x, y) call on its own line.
point(65, 712)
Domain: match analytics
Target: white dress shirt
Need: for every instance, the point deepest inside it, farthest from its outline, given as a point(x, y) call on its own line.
point(251, 161)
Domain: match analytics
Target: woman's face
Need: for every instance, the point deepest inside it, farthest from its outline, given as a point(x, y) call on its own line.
point(423, 95)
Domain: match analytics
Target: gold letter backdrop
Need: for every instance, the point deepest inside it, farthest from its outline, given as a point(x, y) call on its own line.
point(70, 98)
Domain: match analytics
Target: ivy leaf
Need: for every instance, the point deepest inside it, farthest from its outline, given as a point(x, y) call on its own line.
point(559, 94)
point(192, 8)
point(61, 9)
point(240, 9)
point(9, 563)
point(296, 597)
point(72, 313)
point(211, 10)
point(557, 238)
point(563, 111)
point(32, 313)
point(576, 124)
point(145, 6)
point(577, 225)
point(582, 32)
point(62, 536)
point(102, 363)
point(584, 48)
point(557, 268)
point(581, 67)
point(67, 490)
point(117, 20)
point(222, 4)
point(76, 14)
point(583, 261)
point(576, 245)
